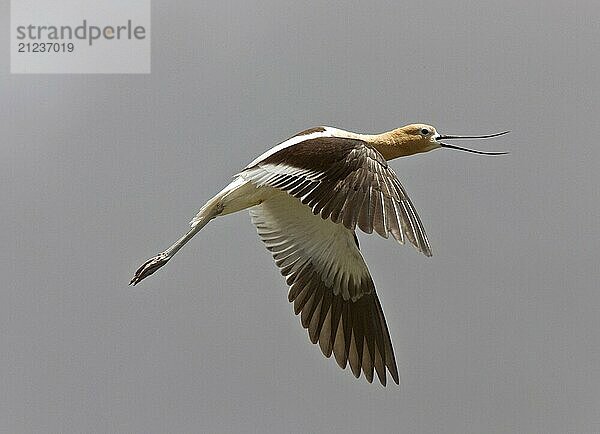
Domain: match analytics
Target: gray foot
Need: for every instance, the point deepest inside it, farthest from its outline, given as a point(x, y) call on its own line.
point(149, 267)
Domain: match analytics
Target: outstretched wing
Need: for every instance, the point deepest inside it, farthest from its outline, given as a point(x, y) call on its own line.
point(344, 179)
point(330, 285)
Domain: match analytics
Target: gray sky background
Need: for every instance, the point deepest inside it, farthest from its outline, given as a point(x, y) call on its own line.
point(498, 332)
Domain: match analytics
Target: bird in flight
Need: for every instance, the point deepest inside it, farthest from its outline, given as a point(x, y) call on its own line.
point(306, 196)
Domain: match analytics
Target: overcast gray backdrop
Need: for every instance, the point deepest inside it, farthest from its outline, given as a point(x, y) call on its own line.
point(498, 332)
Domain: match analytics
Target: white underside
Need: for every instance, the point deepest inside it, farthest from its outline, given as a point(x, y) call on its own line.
point(290, 229)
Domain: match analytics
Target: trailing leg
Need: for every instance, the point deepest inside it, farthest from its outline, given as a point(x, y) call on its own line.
point(153, 264)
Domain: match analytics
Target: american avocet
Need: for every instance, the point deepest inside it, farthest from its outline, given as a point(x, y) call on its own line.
point(306, 197)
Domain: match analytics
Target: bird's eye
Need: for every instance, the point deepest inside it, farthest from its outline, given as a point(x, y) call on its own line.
point(424, 131)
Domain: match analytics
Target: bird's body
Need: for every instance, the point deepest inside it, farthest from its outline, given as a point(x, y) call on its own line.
point(306, 197)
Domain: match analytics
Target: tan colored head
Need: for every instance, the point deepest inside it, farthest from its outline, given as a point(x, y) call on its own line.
point(417, 138)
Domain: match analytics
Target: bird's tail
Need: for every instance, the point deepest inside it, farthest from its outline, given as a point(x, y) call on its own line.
point(238, 195)
point(212, 208)
point(209, 210)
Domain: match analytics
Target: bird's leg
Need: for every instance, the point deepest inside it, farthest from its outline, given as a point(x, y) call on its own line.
point(153, 264)
point(239, 194)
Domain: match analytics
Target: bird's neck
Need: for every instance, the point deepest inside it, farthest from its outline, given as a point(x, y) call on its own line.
point(395, 144)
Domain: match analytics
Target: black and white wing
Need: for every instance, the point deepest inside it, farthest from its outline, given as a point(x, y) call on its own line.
point(344, 179)
point(330, 285)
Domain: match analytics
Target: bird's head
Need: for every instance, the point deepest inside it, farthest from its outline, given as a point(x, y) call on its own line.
point(416, 138)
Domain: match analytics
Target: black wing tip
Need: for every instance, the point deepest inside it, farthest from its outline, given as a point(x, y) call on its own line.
point(356, 369)
point(394, 374)
point(382, 379)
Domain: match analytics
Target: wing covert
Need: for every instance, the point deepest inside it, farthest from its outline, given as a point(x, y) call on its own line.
point(347, 180)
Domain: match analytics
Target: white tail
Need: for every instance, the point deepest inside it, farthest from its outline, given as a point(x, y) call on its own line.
point(238, 195)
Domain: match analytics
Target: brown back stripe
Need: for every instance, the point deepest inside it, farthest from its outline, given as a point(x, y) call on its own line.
point(310, 131)
point(320, 153)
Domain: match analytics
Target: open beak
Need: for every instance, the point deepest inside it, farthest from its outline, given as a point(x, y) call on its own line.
point(486, 136)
